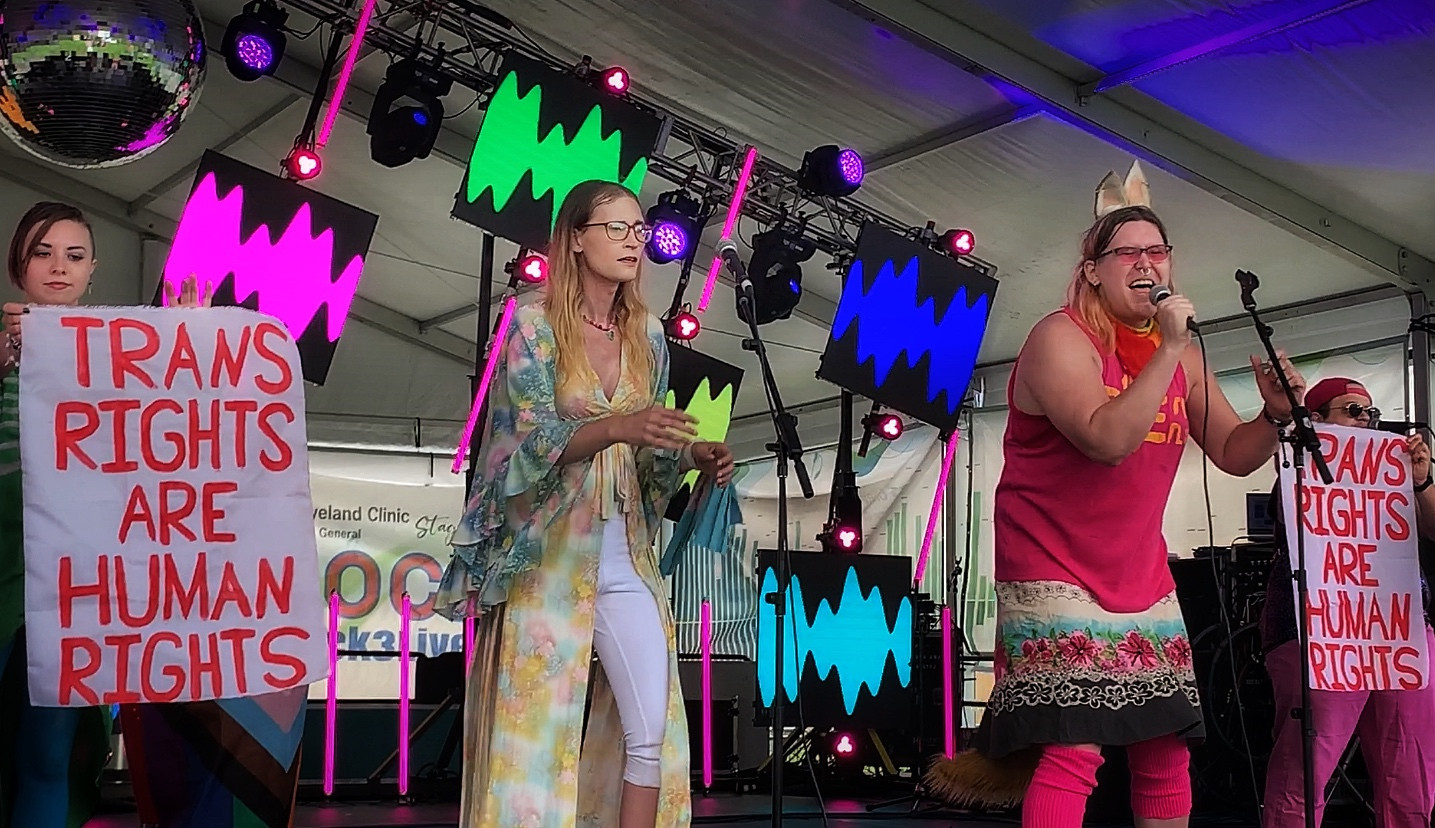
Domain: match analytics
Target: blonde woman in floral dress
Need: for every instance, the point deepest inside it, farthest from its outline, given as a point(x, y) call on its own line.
point(555, 551)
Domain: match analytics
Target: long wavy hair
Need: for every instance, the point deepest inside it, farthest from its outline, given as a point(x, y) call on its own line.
point(32, 229)
point(563, 295)
point(1084, 298)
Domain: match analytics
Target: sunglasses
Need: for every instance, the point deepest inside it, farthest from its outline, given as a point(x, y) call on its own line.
point(1157, 253)
point(1355, 410)
point(618, 230)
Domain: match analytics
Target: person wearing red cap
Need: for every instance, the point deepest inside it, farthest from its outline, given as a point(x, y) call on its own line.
point(1396, 727)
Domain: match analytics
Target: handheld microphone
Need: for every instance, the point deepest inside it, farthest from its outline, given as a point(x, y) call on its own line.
point(1160, 293)
point(1399, 427)
point(727, 251)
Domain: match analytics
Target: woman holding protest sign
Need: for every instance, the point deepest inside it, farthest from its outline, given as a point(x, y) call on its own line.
point(50, 757)
point(1091, 648)
point(1396, 728)
point(555, 550)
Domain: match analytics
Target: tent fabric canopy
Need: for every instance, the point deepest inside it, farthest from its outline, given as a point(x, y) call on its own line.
point(1286, 137)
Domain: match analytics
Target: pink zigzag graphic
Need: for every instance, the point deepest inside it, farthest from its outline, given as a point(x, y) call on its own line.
point(291, 277)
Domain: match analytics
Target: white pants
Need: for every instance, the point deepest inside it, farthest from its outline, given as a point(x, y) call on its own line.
point(628, 638)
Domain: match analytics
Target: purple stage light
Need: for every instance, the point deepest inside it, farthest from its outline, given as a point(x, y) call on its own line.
point(849, 163)
point(670, 242)
point(255, 52)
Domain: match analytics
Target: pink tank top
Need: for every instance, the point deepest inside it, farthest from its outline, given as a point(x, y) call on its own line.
point(1061, 516)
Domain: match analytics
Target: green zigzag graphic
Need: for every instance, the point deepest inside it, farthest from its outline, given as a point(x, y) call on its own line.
point(506, 149)
point(714, 416)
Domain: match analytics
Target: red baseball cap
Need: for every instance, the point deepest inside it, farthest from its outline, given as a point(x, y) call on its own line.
point(1320, 394)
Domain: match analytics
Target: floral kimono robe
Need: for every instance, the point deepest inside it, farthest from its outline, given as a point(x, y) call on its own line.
point(526, 562)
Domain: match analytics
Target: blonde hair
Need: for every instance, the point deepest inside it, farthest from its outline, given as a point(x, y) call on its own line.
point(563, 294)
point(1084, 298)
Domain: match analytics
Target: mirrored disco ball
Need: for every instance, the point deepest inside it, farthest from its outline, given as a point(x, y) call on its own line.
point(98, 83)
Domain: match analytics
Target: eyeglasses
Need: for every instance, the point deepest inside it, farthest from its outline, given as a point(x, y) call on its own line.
point(1355, 410)
point(1131, 255)
point(618, 230)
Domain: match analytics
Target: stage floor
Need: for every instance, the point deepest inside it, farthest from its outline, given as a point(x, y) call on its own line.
point(715, 810)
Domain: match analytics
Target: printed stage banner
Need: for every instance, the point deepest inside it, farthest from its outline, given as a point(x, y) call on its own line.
point(169, 554)
point(378, 540)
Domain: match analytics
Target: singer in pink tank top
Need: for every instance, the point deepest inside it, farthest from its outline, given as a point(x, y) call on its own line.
point(1091, 648)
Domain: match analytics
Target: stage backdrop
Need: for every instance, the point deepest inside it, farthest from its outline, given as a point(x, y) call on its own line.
point(377, 539)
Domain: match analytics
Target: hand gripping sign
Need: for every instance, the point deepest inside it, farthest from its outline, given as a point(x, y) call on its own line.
point(1367, 627)
point(169, 543)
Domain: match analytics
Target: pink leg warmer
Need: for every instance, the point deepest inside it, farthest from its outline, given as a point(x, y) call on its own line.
point(1063, 780)
point(1160, 778)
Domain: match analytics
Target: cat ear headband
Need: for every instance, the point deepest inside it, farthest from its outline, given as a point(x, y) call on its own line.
point(1113, 194)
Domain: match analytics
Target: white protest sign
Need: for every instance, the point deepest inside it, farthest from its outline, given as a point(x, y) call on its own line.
point(169, 543)
point(1367, 626)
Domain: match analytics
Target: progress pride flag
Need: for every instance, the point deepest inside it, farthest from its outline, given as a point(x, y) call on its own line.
point(1367, 627)
point(169, 541)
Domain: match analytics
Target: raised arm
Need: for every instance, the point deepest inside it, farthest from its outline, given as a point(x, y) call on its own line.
point(1060, 378)
point(1238, 448)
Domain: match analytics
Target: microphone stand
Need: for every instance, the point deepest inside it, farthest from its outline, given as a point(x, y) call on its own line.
point(1302, 439)
point(787, 447)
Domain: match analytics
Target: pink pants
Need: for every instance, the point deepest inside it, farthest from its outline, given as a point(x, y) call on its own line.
point(1397, 739)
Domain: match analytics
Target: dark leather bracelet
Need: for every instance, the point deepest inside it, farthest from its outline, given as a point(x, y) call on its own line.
point(1266, 415)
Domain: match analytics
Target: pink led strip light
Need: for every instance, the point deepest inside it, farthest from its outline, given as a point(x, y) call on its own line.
point(733, 211)
point(336, 101)
point(949, 730)
point(494, 348)
point(331, 703)
point(404, 658)
point(705, 634)
point(936, 506)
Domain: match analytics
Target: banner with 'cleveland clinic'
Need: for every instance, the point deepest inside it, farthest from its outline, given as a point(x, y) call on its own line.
point(169, 542)
point(1367, 626)
point(377, 541)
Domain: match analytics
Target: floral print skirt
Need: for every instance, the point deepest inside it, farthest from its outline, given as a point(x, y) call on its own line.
point(1070, 672)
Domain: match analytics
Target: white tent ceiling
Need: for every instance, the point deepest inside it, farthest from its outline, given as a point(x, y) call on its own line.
point(1287, 138)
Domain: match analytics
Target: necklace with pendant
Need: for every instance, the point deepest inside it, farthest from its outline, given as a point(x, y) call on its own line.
point(606, 329)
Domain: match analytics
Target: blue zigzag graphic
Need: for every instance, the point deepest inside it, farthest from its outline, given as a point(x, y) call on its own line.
point(893, 324)
point(852, 639)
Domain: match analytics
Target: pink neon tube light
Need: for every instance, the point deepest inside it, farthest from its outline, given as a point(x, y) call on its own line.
point(936, 506)
point(336, 101)
point(734, 210)
point(494, 349)
point(331, 704)
point(705, 634)
point(949, 730)
point(404, 656)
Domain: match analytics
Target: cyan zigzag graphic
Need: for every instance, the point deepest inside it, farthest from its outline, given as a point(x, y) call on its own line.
point(891, 326)
point(853, 639)
point(508, 147)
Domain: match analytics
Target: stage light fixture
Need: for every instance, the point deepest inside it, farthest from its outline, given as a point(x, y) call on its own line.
point(407, 114)
point(615, 80)
point(532, 268)
point(303, 164)
point(888, 426)
point(844, 530)
point(844, 745)
point(254, 41)
point(958, 242)
point(776, 272)
point(682, 326)
point(831, 171)
point(677, 222)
